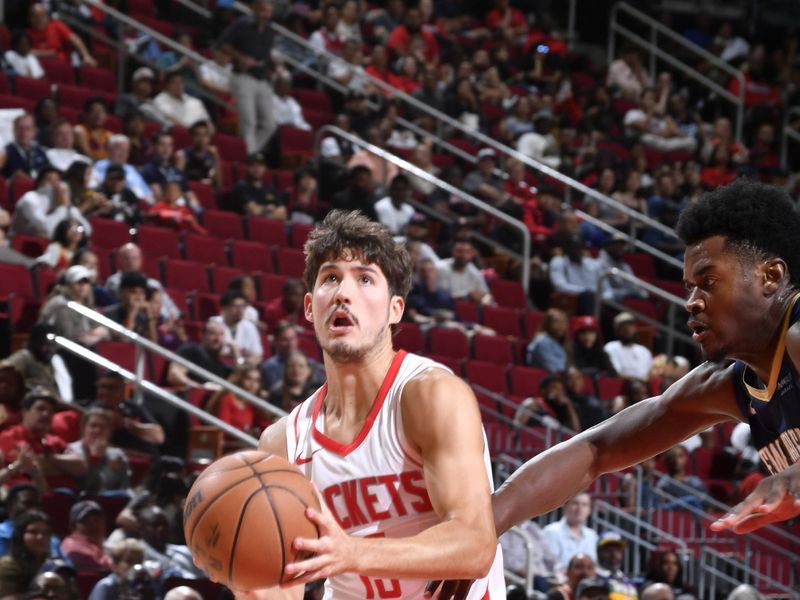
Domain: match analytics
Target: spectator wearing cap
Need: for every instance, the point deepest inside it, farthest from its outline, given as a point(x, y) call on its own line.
point(177, 106)
point(483, 183)
point(133, 311)
point(394, 211)
point(119, 149)
point(570, 535)
point(77, 287)
point(252, 195)
point(549, 348)
point(21, 498)
point(140, 98)
point(614, 287)
point(576, 273)
point(91, 136)
point(579, 568)
point(109, 472)
point(459, 275)
point(248, 41)
point(40, 365)
point(200, 161)
point(288, 111)
point(587, 349)
point(241, 335)
point(592, 588)
point(51, 38)
point(610, 559)
point(32, 452)
point(63, 152)
point(40, 210)
point(628, 358)
point(24, 156)
point(84, 545)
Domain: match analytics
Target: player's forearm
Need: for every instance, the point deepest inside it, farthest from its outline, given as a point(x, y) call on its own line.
point(453, 549)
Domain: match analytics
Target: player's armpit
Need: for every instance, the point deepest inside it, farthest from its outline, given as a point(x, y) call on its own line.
point(275, 593)
point(273, 439)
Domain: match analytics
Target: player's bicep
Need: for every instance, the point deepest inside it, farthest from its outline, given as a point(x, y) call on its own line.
point(273, 439)
point(442, 420)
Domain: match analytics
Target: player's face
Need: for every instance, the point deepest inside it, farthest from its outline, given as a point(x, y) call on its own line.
point(726, 299)
point(351, 309)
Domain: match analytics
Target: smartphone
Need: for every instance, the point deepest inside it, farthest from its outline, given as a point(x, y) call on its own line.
point(542, 49)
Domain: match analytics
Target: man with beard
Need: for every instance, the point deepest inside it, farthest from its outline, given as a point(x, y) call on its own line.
point(459, 275)
point(741, 268)
point(206, 355)
point(386, 417)
point(359, 195)
point(628, 358)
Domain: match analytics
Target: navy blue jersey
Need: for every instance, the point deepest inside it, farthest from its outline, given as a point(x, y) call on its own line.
point(773, 410)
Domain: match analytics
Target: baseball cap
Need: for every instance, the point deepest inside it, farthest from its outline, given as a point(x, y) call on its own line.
point(622, 318)
point(143, 73)
point(591, 584)
point(115, 172)
point(610, 537)
point(254, 158)
point(77, 273)
point(486, 153)
point(81, 510)
point(40, 392)
point(585, 322)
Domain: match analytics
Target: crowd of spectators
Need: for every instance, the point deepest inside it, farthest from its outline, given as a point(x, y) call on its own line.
point(149, 156)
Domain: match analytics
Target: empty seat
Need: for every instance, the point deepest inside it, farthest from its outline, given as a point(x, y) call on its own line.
point(609, 387)
point(97, 78)
point(221, 277)
point(33, 89)
point(206, 306)
point(642, 264)
point(311, 99)
point(531, 320)
point(231, 147)
point(299, 234)
point(158, 241)
point(525, 381)
point(291, 262)
point(296, 146)
point(271, 285)
point(58, 71)
point(185, 275)
point(74, 96)
point(252, 256)
point(205, 194)
point(29, 245)
point(267, 231)
point(18, 187)
point(455, 364)
point(509, 293)
point(122, 353)
point(409, 337)
point(505, 321)
point(110, 234)
point(206, 250)
point(493, 348)
point(466, 311)
point(444, 341)
point(486, 374)
point(224, 224)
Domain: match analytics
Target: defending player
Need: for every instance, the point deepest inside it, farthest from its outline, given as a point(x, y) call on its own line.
point(741, 270)
point(393, 441)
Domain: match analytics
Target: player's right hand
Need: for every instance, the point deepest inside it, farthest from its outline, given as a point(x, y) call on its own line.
point(775, 499)
point(450, 589)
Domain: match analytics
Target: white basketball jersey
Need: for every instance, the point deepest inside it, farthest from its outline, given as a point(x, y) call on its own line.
point(375, 485)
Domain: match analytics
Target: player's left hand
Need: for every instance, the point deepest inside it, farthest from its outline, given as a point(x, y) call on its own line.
point(451, 589)
point(333, 552)
point(775, 499)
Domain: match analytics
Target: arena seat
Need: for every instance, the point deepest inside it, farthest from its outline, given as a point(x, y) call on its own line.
point(97, 78)
point(158, 241)
point(291, 262)
point(508, 293)
point(185, 275)
point(110, 234)
point(221, 276)
point(409, 337)
point(444, 341)
point(525, 380)
point(58, 71)
point(493, 348)
point(205, 249)
point(504, 320)
point(609, 387)
point(271, 285)
point(252, 256)
point(224, 224)
point(487, 374)
point(206, 305)
point(32, 89)
point(267, 231)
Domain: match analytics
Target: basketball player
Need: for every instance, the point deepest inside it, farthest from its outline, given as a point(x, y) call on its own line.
point(393, 441)
point(742, 274)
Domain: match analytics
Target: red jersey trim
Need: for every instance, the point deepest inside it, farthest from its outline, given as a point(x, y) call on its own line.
point(342, 449)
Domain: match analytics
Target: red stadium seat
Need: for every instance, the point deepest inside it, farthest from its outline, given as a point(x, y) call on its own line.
point(221, 277)
point(206, 306)
point(271, 285)
point(296, 146)
point(29, 245)
point(409, 337)
point(525, 380)
point(122, 353)
point(456, 365)
point(183, 300)
point(489, 375)
point(185, 275)
point(444, 341)
point(110, 234)
point(231, 147)
point(468, 312)
point(205, 193)
point(532, 319)
point(32, 89)
point(299, 234)
point(252, 256)
point(284, 180)
point(267, 231)
point(206, 250)
point(224, 224)
point(509, 293)
point(642, 264)
point(74, 96)
point(9, 101)
point(291, 262)
point(315, 100)
point(18, 187)
point(158, 241)
point(493, 348)
point(140, 7)
point(609, 387)
point(97, 78)
point(58, 71)
point(4, 85)
point(505, 321)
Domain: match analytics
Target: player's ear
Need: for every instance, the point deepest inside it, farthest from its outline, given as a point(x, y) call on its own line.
point(307, 308)
point(774, 272)
point(396, 308)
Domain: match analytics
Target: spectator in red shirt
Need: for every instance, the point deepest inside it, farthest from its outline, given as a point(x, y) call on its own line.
point(32, 453)
point(51, 38)
point(84, 545)
point(763, 155)
point(401, 37)
point(288, 306)
point(235, 411)
point(720, 171)
point(507, 19)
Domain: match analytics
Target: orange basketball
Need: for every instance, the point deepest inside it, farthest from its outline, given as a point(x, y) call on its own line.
point(242, 515)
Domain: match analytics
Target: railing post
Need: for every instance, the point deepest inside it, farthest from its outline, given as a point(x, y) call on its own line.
point(653, 44)
point(138, 392)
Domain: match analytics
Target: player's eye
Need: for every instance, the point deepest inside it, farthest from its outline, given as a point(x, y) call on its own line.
point(366, 279)
point(330, 277)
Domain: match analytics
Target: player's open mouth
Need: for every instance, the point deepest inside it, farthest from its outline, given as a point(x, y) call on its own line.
point(699, 331)
point(341, 321)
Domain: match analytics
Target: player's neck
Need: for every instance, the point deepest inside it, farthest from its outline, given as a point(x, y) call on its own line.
point(353, 387)
point(762, 351)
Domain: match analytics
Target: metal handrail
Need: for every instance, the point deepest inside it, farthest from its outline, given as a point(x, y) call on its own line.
point(788, 132)
point(101, 361)
point(527, 580)
point(724, 568)
point(415, 170)
point(669, 328)
point(141, 341)
point(652, 47)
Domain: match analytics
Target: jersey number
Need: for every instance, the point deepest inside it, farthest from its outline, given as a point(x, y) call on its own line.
point(386, 588)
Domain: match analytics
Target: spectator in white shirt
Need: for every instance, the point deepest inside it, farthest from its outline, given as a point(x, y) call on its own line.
point(119, 149)
point(394, 211)
point(570, 535)
point(459, 276)
point(628, 358)
point(287, 110)
point(627, 74)
point(349, 25)
point(21, 59)
point(349, 70)
point(63, 152)
point(216, 75)
point(39, 211)
point(177, 106)
point(576, 273)
point(241, 335)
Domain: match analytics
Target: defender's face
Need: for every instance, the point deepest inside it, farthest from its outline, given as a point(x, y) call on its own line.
point(351, 309)
point(726, 299)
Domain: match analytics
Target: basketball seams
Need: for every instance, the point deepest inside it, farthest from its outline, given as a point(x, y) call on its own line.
point(238, 529)
point(279, 527)
point(211, 503)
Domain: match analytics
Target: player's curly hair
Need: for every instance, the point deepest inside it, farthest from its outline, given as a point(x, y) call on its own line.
point(344, 232)
point(759, 222)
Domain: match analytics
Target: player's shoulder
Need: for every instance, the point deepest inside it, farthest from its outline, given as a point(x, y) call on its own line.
point(273, 438)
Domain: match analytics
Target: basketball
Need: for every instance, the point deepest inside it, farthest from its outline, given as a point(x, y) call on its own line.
point(242, 515)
